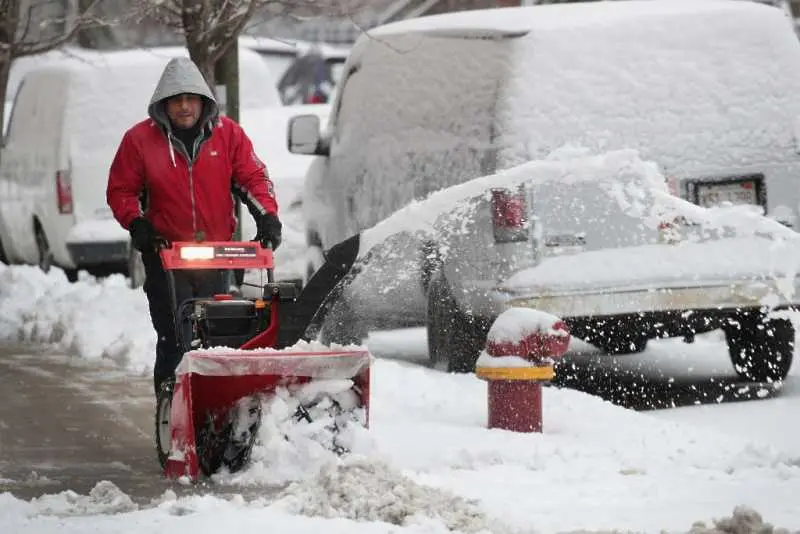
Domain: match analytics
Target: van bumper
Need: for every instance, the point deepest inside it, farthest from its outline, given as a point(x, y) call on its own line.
point(94, 253)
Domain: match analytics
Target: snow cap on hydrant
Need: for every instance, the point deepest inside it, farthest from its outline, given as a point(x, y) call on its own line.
point(532, 335)
point(521, 348)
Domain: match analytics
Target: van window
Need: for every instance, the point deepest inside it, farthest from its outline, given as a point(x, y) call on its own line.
point(420, 115)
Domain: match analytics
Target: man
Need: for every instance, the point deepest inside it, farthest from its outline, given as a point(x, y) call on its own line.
point(186, 160)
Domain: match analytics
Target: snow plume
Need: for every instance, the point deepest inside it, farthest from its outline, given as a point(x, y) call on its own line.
point(365, 490)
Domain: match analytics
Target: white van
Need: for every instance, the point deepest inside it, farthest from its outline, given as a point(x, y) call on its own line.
point(69, 115)
point(710, 90)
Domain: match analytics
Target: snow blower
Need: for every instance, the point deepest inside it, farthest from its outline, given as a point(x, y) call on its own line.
point(237, 354)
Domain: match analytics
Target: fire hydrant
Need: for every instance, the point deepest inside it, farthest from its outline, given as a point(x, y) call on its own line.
point(521, 348)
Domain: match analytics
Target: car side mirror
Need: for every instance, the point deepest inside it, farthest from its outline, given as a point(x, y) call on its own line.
point(303, 136)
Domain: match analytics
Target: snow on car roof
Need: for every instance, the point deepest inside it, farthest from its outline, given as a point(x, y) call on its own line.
point(559, 16)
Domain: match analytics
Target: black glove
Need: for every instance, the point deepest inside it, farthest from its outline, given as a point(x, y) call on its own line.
point(269, 230)
point(143, 235)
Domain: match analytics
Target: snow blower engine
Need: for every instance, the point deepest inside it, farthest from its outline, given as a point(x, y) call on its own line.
point(209, 414)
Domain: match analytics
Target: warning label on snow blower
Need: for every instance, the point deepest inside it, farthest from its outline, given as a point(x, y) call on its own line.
point(235, 252)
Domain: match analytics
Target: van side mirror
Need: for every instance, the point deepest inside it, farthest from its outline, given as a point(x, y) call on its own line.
point(303, 136)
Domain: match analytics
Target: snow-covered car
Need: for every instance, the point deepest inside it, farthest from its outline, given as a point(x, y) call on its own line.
point(615, 255)
point(436, 101)
point(70, 113)
point(305, 72)
point(277, 54)
point(313, 75)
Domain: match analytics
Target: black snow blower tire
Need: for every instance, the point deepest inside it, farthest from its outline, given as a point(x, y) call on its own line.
point(229, 442)
point(162, 433)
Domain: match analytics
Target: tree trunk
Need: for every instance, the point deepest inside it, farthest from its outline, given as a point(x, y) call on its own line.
point(201, 58)
point(192, 15)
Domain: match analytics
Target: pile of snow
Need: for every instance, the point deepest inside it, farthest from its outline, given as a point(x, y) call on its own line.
point(92, 318)
point(743, 521)
point(364, 490)
point(104, 498)
point(290, 448)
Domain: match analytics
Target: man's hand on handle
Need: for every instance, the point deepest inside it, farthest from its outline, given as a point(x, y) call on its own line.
point(143, 235)
point(269, 230)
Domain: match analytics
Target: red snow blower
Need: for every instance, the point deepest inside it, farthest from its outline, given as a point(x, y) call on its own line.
point(209, 414)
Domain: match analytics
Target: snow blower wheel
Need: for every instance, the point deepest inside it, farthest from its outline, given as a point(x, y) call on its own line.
point(162, 433)
point(229, 442)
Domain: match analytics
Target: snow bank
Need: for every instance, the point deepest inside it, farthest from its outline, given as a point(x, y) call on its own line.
point(743, 521)
point(364, 490)
point(104, 498)
point(93, 319)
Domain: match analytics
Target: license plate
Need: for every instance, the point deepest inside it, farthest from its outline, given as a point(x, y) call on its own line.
point(739, 192)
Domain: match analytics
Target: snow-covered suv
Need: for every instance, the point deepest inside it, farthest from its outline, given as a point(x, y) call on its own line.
point(429, 103)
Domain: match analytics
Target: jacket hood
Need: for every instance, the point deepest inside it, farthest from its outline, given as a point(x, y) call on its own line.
point(181, 75)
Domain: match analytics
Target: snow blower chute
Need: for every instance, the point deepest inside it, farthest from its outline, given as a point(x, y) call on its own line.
point(209, 414)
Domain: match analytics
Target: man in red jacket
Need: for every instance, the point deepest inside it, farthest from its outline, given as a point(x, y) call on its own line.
point(185, 160)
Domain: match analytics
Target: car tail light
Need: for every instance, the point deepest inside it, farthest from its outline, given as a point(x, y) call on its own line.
point(64, 192)
point(510, 215)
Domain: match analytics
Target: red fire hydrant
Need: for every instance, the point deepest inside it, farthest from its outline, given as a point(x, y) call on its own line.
point(521, 348)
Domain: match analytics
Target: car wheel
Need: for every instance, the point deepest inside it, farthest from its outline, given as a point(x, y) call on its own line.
point(43, 248)
point(135, 269)
point(455, 339)
point(760, 349)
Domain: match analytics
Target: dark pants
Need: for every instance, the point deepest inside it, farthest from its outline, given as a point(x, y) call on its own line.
point(188, 284)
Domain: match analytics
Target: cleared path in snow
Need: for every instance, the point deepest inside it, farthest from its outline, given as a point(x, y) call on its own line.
point(67, 424)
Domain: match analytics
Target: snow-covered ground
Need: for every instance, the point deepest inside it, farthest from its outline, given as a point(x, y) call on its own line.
point(428, 464)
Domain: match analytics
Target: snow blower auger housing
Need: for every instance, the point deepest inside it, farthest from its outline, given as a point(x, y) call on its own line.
point(209, 414)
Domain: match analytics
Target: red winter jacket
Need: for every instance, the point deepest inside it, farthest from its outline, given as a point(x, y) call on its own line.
point(184, 200)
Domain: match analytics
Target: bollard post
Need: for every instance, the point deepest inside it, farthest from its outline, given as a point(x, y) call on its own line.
point(521, 348)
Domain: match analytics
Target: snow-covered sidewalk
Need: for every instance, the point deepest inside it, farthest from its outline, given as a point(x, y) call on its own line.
point(427, 464)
